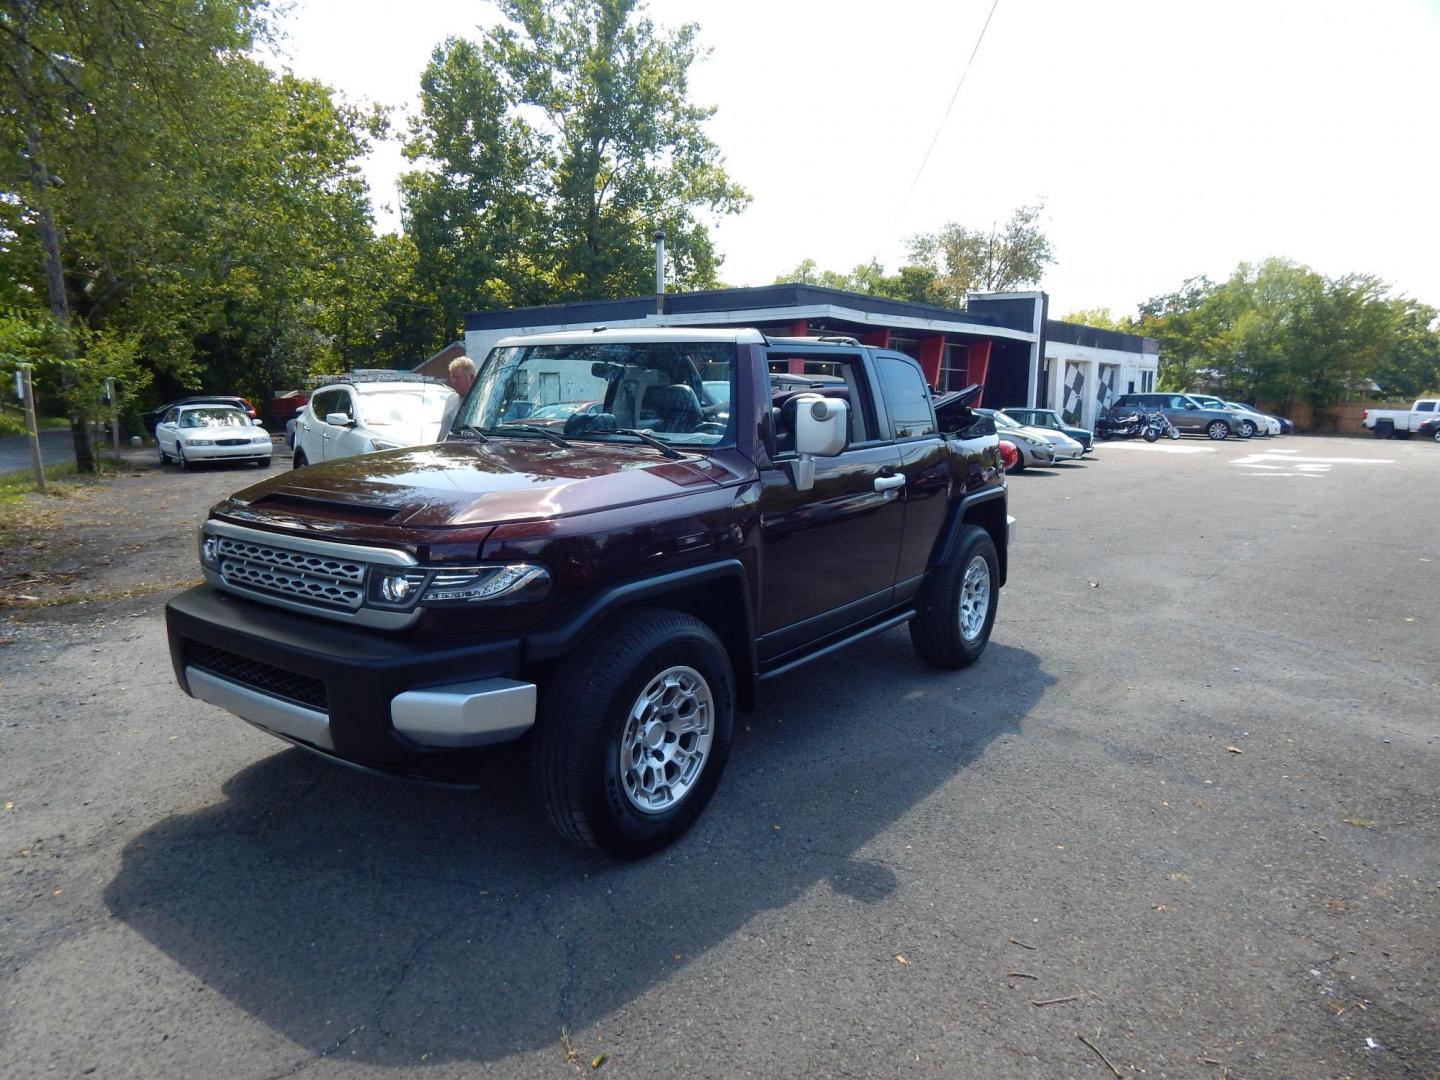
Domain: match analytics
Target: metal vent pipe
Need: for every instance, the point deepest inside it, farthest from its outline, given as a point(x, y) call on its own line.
point(659, 271)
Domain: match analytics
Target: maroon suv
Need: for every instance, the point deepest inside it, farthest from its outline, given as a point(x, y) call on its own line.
point(614, 588)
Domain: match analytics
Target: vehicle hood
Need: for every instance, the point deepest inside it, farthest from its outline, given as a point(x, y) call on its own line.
point(1048, 435)
point(421, 434)
point(463, 483)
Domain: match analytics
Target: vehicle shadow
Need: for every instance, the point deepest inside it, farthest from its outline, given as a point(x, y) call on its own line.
point(395, 919)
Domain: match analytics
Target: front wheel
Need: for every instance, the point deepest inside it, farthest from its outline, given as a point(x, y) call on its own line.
point(1437, 434)
point(1247, 429)
point(180, 457)
point(634, 731)
point(1218, 430)
point(299, 461)
point(1173, 432)
point(956, 609)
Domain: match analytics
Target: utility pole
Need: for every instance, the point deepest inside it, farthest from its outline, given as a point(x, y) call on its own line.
point(25, 390)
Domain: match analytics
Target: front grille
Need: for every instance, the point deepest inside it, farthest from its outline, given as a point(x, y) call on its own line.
point(301, 689)
point(232, 442)
point(317, 579)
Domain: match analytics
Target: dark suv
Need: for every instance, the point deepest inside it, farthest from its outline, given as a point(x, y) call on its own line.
point(1187, 414)
point(614, 589)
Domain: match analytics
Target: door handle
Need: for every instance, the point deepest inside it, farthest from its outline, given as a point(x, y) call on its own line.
point(889, 483)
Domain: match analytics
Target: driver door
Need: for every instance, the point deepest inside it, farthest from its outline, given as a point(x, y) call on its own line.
point(830, 553)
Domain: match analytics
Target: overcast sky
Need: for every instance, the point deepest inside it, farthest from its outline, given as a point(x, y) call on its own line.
point(1165, 139)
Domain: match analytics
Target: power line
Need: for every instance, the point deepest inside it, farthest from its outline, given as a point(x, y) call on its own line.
point(941, 126)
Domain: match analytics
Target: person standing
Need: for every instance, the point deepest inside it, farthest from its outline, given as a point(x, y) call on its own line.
point(459, 377)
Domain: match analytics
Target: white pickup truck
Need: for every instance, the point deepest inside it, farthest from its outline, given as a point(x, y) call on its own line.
point(1402, 423)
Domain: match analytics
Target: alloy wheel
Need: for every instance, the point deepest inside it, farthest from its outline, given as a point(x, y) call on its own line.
point(974, 598)
point(667, 739)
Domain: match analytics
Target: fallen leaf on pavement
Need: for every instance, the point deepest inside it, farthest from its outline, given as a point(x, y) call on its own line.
point(1234, 749)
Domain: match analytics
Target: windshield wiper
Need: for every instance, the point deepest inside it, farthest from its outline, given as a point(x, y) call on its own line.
point(645, 437)
point(471, 431)
point(530, 429)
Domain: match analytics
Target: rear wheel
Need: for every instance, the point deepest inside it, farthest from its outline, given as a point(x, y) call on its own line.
point(1384, 429)
point(1218, 430)
point(634, 731)
point(956, 609)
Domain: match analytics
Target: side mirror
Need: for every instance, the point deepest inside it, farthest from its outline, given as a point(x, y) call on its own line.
point(339, 419)
point(1191, 405)
point(257, 423)
point(821, 430)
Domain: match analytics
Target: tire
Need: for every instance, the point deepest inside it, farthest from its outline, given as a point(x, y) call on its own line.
point(185, 465)
point(299, 461)
point(1173, 433)
point(941, 632)
point(1246, 430)
point(1384, 429)
point(586, 732)
point(265, 462)
point(1218, 430)
point(164, 457)
point(1152, 434)
point(1437, 434)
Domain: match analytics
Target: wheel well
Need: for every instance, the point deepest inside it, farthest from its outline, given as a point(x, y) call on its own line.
point(720, 605)
point(990, 515)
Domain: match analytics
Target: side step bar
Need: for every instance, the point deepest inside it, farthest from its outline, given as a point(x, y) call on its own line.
point(840, 643)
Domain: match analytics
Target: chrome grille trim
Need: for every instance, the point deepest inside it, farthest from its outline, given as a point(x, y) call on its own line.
point(317, 577)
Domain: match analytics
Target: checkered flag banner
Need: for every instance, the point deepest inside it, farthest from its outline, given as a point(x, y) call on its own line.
point(1074, 388)
point(1105, 390)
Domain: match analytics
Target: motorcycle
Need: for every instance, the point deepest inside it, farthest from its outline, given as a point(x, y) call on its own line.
point(1155, 424)
point(1118, 427)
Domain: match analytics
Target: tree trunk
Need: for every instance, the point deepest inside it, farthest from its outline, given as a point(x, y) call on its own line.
point(59, 301)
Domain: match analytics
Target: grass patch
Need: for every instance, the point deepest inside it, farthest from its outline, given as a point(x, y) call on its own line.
point(12, 422)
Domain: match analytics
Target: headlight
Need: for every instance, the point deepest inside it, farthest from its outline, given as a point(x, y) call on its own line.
point(403, 589)
point(262, 439)
point(513, 581)
point(384, 444)
point(199, 442)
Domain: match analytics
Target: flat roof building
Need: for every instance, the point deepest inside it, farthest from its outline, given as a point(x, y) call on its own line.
point(1005, 341)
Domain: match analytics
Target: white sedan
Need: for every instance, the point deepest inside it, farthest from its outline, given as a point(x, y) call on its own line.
point(190, 434)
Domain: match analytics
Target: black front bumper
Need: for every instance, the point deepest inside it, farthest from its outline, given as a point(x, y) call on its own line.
point(350, 674)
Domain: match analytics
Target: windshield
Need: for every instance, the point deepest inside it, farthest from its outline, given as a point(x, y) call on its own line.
point(1001, 420)
point(413, 405)
point(221, 417)
point(678, 391)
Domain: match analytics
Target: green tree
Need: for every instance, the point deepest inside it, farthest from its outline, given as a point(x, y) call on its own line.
point(89, 90)
point(994, 260)
point(1101, 318)
point(551, 151)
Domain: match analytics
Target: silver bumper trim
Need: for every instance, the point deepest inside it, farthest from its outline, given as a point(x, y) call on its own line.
point(271, 713)
point(466, 714)
point(1011, 528)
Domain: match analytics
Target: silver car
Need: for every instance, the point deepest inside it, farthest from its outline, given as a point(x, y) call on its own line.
point(1033, 448)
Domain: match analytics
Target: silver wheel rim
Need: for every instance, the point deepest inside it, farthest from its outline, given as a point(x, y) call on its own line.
point(1217, 431)
point(974, 598)
point(667, 738)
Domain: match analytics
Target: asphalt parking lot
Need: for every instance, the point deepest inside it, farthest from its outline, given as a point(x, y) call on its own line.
point(1186, 807)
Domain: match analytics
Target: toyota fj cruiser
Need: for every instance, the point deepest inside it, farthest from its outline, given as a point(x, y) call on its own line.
point(612, 588)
